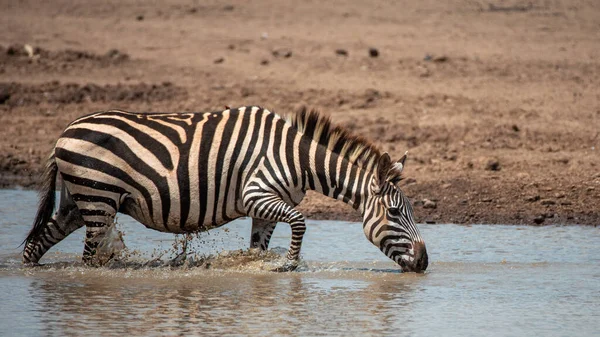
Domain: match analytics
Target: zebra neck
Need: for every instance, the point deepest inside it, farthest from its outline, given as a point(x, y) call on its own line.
point(340, 179)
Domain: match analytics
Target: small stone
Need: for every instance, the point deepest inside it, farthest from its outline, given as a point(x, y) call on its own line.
point(228, 8)
point(440, 59)
point(538, 220)
point(373, 52)
point(283, 52)
point(139, 18)
point(4, 97)
point(446, 186)
point(487, 200)
point(264, 62)
point(548, 202)
point(410, 181)
point(532, 198)
point(429, 204)
point(515, 128)
point(219, 60)
point(492, 165)
point(566, 203)
point(430, 222)
point(341, 52)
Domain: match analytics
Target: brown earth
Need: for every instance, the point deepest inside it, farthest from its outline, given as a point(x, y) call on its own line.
point(497, 101)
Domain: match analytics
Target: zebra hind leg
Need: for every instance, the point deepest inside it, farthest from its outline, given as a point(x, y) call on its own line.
point(101, 239)
point(65, 221)
point(261, 233)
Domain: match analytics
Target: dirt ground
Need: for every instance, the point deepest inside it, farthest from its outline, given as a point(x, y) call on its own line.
point(498, 102)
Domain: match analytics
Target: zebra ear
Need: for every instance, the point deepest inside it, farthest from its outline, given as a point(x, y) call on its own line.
point(399, 165)
point(383, 167)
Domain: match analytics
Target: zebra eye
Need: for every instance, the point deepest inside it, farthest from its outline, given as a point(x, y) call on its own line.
point(394, 211)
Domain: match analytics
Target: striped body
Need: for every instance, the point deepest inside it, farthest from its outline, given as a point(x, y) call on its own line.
point(189, 172)
point(177, 172)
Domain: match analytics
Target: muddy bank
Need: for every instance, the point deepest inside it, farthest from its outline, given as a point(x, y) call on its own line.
point(498, 108)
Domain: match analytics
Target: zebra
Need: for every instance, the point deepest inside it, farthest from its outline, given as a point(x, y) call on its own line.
point(191, 172)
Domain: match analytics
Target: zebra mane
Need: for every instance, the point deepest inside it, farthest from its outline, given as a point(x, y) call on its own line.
point(338, 139)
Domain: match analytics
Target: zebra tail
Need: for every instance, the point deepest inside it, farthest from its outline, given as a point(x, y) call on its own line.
point(47, 199)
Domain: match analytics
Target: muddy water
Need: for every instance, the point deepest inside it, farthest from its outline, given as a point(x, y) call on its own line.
point(482, 280)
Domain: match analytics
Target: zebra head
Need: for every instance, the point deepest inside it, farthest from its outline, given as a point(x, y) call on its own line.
point(388, 218)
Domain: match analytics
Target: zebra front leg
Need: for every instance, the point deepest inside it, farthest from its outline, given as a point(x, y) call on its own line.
point(261, 233)
point(271, 208)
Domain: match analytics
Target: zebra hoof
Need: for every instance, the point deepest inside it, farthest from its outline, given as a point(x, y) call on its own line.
point(288, 266)
point(31, 264)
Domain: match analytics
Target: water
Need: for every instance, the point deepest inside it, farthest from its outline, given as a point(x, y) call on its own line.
point(482, 280)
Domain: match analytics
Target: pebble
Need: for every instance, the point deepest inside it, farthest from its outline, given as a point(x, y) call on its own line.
point(341, 52)
point(548, 202)
point(532, 198)
point(492, 165)
point(139, 18)
point(429, 204)
point(539, 219)
point(283, 52)
point(373, 52)
point(219, 60)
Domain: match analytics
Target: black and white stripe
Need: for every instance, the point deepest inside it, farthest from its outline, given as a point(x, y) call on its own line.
point(188, 172)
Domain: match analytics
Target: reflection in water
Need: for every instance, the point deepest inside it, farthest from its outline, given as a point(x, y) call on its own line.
point(482, 281)
point(205, 302)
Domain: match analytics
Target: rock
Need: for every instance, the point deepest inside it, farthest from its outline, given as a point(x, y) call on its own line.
point(283, 52)
point(440, 59)
point(516, 128)
point(139, 18)
point(487, 200)
point(532, 198)
point(492, 165)
point(446, 186)
point(29, 50)
point(429, 204)
point(373, 52)
point(4, 96)
point(228, 8)
point(430, 222)
point(219, 60)
point(264, 62)
point(341, 52)
point(548, 202)
point(538, 220)
point(410, 181)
